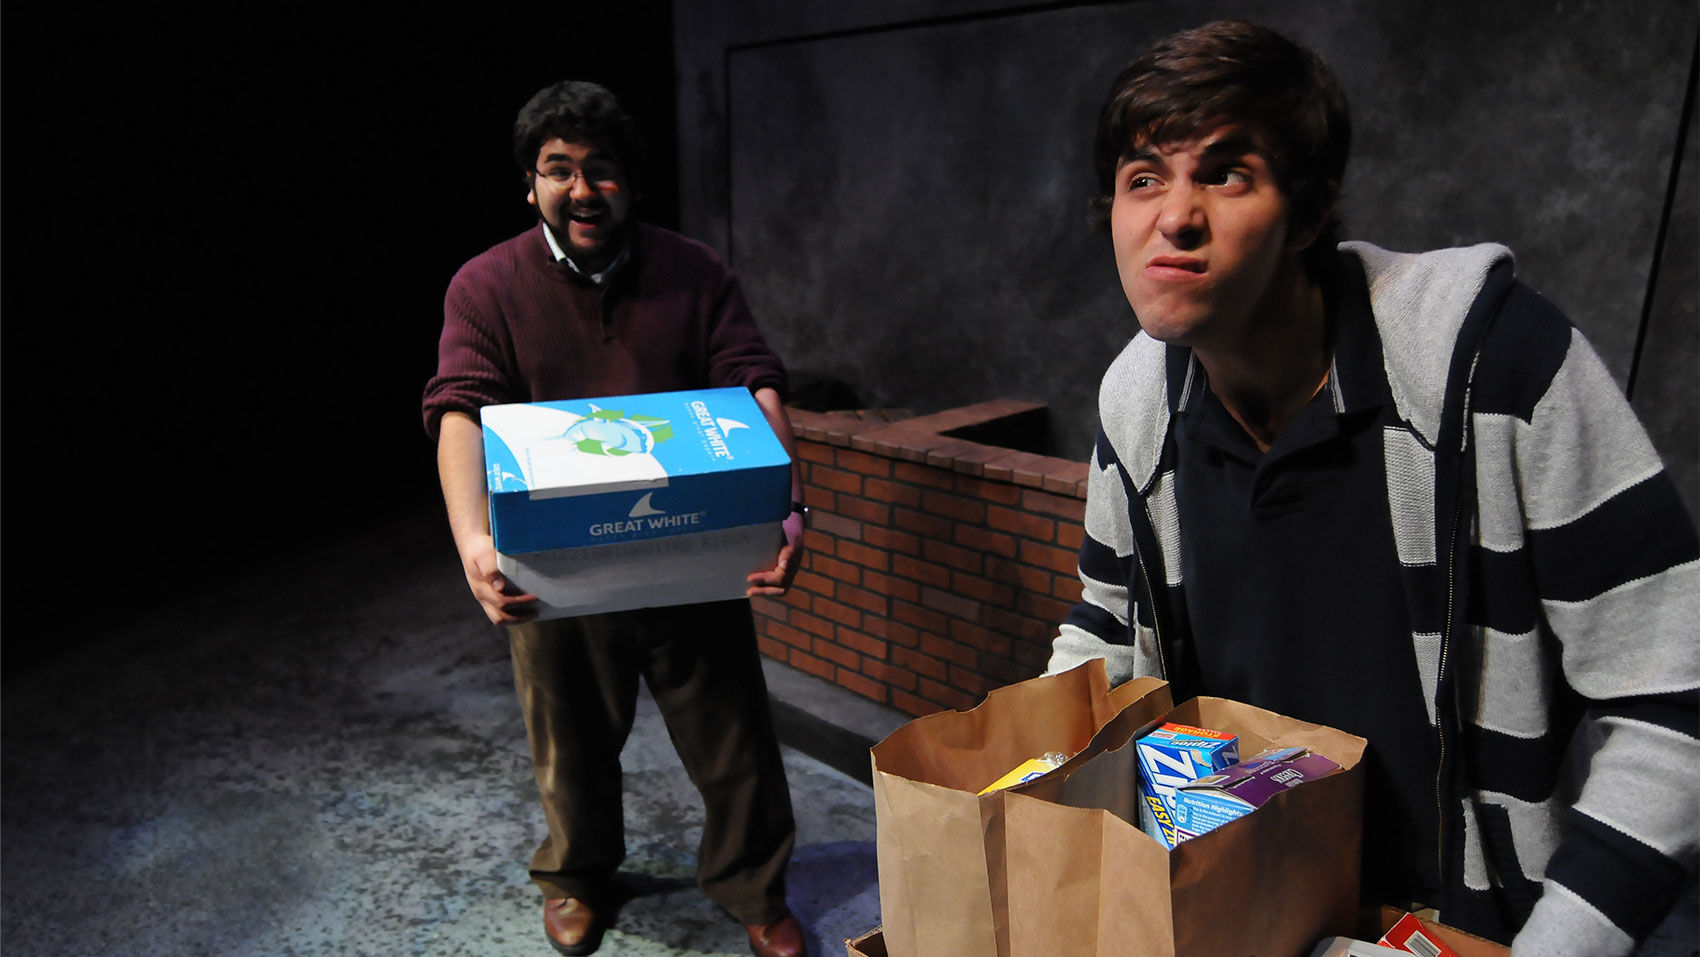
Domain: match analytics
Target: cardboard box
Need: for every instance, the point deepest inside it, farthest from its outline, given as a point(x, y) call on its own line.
point(634, 501)
point(1213, 801)
point(1172, 756)
point(1375, 921)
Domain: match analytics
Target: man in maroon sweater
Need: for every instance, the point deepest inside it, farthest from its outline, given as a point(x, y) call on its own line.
point(592, 303)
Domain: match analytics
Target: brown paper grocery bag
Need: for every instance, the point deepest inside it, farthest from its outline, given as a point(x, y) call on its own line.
point(1082, 878)
point(941, 843)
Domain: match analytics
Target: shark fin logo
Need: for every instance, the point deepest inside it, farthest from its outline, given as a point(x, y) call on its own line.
point(727, 425)
point(499, 477)
point(644, 507)
point(612, 432)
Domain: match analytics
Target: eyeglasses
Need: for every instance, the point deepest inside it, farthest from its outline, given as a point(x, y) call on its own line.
point(597, 176)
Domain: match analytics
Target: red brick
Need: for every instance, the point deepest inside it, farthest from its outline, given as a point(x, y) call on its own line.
point(889, 675)
point(921, 618)
point(861, 598)
point(1021, 523)
point(1001, 672)
point(811, 624)
point(864, 463)
point(770, 647)
point(955, 506)
point(1033, 655)
point(857, 641)
point(797, 598)
point(882, 491)
point(922, 524)
point(863, 555)
point(833, 611)
point(1067, 589)
point(812, 583)
point(811, 664)
point(788, 635)
point(835, 569)
point(957, 606)
point(768, 606)
point(947, 696)
point(917, 663)
point(979, 589)
point(892, 631)
point(884, 586)
point(861, 509)
point(1072, 509)
point(947, 650)
point(972, 536)
point(1018, 626)
point(916, 474)
point(891, 540)
point(984, 639)
point(1070, 535)
point(814, 452)
point(979, 488)
point(835, 480)
point(1024, 577)
point(836, 525)
point(911, 705)
point(963, 558)
point(1045, 556)
point(969, 681)
point(866, 687)
point(819, 543)
point(1044, 608)
point(924, 572)
point(837, 654)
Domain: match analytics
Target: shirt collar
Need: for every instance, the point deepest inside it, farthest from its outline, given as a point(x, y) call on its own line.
point(599, 278)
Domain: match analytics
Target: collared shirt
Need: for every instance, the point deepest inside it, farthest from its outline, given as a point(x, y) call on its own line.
point(1293, 587)
point(600, 278)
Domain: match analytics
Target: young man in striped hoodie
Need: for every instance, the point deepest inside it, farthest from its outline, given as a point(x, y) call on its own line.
point(1395, 494)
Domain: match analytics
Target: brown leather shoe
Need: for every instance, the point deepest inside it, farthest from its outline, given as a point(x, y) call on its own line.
point(782, 938)
point(572, 926)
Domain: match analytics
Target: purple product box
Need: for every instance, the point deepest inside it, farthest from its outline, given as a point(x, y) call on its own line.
point(1213, 801)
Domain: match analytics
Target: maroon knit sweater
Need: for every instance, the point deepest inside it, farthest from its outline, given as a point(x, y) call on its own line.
point(519, 327)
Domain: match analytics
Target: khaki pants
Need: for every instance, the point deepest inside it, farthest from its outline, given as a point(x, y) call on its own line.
point(577, 682)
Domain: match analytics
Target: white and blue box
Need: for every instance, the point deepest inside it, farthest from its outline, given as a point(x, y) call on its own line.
point(634, 501)
point(1170, 757)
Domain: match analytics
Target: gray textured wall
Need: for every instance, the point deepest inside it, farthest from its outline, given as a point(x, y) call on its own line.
point(903, 185)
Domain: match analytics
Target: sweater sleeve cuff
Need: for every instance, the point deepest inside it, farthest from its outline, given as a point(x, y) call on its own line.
point(1626, 883)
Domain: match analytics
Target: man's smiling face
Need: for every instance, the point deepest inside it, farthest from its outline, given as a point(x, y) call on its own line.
point(582, 193)
point(1200, 230)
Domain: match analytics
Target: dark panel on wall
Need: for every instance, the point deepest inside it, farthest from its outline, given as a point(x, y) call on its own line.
point(907, 205)
point(1666, 390)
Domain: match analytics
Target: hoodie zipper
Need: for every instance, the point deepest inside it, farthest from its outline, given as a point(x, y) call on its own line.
point(1151, 597)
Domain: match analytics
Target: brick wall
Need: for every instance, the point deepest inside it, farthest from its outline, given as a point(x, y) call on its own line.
point(938, 568)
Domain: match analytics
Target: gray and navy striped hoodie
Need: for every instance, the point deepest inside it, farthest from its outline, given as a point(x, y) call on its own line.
point(1552, 583)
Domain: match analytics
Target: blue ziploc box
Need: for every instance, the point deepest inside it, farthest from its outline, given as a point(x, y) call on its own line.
point(1213, 801)
point(1170, 756)
point(634, 501)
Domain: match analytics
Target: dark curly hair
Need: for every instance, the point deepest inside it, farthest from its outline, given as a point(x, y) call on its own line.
point(1232, 71)
point(578, 112)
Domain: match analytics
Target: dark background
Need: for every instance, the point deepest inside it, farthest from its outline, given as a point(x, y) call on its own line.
point(227, 240)
point(228, 234)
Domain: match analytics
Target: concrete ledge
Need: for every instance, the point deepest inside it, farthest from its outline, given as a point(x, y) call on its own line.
point(833, 725)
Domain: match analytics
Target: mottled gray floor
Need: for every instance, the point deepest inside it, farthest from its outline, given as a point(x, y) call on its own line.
point(329, 759)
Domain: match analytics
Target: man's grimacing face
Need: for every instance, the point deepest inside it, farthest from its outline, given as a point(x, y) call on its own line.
point(1199, 231)
point(584, 196)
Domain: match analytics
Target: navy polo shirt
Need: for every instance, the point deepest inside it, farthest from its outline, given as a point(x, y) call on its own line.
point(1293, 587)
